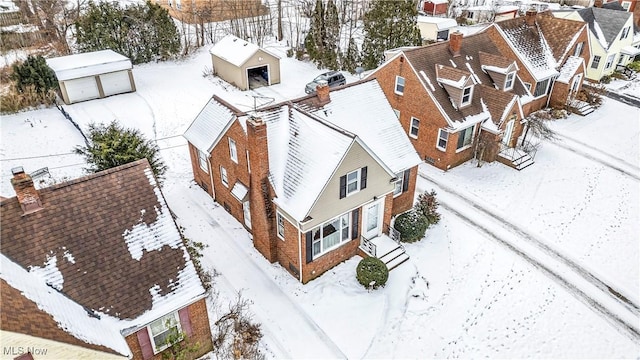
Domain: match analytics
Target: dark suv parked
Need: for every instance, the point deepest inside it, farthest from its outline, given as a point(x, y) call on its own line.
point(333, 78)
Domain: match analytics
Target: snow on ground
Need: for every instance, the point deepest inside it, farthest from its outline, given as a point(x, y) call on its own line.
point(629, 88)
point(462, 293)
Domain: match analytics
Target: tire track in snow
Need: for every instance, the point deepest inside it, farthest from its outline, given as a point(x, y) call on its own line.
point(599, 156)
point(275, 292)
point(605, 288)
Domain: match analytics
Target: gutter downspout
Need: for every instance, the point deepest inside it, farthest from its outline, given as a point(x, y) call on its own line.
point(213, 191)
point(300, 251)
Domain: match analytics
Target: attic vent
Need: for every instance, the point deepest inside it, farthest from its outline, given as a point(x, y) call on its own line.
point(401, 59)
point(429, 160)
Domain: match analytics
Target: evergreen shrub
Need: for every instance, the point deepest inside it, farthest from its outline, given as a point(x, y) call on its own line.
point(372, 273)
point(411, 225)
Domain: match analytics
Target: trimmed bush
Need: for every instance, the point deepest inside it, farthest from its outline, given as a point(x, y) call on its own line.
point(635, 66)
point(605, 79)
point(372, 273)
point(411, 225)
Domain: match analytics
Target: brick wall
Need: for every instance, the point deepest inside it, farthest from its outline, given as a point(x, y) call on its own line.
point(404, 201)
point(415, 102)
point(200, 176)
point(288, 249)
point(199, 319)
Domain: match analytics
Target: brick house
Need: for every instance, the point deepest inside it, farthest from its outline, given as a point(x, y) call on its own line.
point(315, 180)
point(108, 244)
point(551, 53)
point(457, 100)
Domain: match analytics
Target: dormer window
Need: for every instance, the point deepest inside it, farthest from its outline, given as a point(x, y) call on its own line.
point(508, 82)
point(466, 96)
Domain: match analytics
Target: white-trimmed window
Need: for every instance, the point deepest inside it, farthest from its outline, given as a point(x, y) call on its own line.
point(443, 138)
point(508, 82)
point(224, 177)
point(331, 234)
point(415, 127)
point(280, 223)
point(541, 88)
point(353, 182)
point(164, 332)
point(609, 62)
point(578, 50)
point(626, 5)
point(528, 86)
point(625, 33)
point(595, 62)
point(399, 85)
point(465, 138)
point(397, 190)
point(202, 160)
point(466, 95)
point(233, 151)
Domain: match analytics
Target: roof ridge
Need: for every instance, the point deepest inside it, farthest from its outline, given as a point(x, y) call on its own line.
point(99, 174)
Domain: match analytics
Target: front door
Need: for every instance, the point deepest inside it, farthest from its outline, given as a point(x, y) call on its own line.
point(506, 139)
point(372, 219)
point(575, 84)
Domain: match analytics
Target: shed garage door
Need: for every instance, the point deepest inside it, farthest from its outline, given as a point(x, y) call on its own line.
point(82, 89)
point(115, 83)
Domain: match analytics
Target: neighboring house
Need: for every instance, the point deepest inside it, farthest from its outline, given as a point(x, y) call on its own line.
point(98, 264)
point(92, 75)
point(435, 7)
point(489, 13)
point(315, 179)
point(611, 34)
point(551, 53)
point(435, 28)
point(451, 94)
point(243, 64)
point(205, 11)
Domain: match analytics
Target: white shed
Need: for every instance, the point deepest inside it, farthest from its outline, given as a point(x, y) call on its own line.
point(243, 64)
point(92, 75)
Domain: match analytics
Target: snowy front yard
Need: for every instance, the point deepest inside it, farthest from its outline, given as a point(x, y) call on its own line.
point(462, 293)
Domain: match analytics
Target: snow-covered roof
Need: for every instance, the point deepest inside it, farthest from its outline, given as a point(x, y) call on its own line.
point(8, 6)
point(207, 128)
point(532, 47)
point(70, 316)
point(440, 22)
point(235, 50)
point(363, 109)
point(88, 64)
point(438, 1)
point(303, 154)
point(107, 241)
point(630, 50)
point(569, 68)
point(605, 24)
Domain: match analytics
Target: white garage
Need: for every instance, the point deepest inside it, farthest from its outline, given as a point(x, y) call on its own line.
point(92, 75)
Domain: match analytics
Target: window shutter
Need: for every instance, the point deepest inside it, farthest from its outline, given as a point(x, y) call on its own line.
point(343, 186)
point(355, 223)
point(405, 180)
point(309, 246)
point(363, 178)
point(145, 343)
point(185, 321)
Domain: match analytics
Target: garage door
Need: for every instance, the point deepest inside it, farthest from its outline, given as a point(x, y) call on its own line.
point(115, 83)
point(82, 89)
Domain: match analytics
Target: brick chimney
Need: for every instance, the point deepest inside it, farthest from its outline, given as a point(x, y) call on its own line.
point(322, 91)
point(25, 191)
point(598, 3)
point(530, 17)
point(260, 194)
point(455, 43)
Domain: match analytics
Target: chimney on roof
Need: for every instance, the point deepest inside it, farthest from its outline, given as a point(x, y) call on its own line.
point(322, 91)
point(598, 3)
point(455, 43)
point(25, 191)
point(260, 194)
point(530, 17)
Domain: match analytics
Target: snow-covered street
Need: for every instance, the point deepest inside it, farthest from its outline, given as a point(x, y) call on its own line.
point(540, 263)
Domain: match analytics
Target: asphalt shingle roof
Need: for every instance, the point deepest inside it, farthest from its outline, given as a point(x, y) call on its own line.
point(610, 22)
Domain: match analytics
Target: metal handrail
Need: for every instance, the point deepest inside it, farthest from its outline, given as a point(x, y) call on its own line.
point(368, 246)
